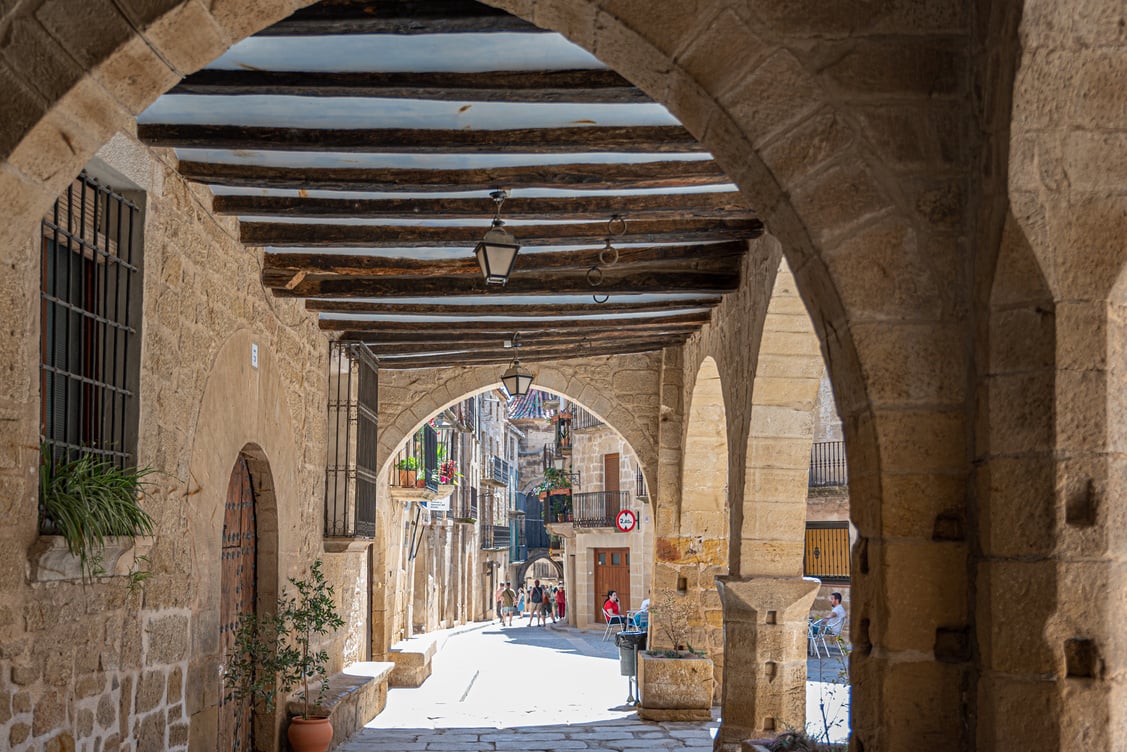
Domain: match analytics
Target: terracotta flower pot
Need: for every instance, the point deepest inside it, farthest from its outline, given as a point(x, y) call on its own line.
point(310, 734)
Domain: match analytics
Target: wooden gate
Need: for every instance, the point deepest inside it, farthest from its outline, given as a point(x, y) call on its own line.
point(239, 593)
point(612, 572)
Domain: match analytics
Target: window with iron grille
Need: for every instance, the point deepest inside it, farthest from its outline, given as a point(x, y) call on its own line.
point(90, 321)
point(350, 471)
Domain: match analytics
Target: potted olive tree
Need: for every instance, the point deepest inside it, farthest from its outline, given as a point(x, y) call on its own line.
point(274, 654)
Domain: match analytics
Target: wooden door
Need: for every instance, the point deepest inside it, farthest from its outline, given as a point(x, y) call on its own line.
point(239, 593)
point(612, 572)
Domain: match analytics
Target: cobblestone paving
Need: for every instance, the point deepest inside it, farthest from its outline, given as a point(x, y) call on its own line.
point(522, 688)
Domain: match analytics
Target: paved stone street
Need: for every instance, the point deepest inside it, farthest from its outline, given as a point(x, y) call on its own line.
point(527, 688)
point(536, 688)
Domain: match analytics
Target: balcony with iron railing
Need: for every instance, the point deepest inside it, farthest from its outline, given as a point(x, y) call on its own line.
point(583, 420)
point(828, 467)
point(496, 472)
point(415, 470)
point(597, 508)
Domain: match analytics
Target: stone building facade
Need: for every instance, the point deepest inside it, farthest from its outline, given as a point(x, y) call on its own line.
point(945, 181)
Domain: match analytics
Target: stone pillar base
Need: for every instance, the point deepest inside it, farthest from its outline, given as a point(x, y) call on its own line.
point(764, 655)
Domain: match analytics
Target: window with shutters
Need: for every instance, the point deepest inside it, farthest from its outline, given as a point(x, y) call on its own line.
point(90, 319)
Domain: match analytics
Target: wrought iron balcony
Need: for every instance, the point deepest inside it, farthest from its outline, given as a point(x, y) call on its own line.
point(496, 472)
point(495, 536)
point(827, 464)
point(597, 508)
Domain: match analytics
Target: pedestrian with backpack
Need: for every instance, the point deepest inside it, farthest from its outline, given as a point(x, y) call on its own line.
point(536, 603)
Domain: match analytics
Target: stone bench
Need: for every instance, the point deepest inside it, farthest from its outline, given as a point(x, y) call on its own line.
point(412, 662)
point(355, 696)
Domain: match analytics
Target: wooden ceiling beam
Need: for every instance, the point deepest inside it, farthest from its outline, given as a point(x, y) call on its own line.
point(282, 266)
point(529, 325)
point(667, 206)
point(439, 308)
point(584, 86)
point(495, 339)
point(399, 17)
point(531, 356)
point(493, 343)
point(623, 282)
point(587, 176)
point(645, 139)
point(309, 235)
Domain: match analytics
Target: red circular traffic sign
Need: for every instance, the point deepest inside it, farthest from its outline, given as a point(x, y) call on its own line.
point(626, 521)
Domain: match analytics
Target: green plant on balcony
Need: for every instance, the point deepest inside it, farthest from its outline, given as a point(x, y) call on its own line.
point(408, 470)
point(88, 500)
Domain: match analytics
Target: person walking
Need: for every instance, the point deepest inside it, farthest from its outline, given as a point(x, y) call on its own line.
point(520, 601)
point(536, 602)
point(497, 601)
point(508, 603)
point(561, 603)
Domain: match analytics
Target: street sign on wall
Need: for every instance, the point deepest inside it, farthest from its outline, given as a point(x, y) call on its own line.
point(626, 521)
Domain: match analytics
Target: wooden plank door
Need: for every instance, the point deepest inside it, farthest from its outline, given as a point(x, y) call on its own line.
point(612, 572)
point(239, 593)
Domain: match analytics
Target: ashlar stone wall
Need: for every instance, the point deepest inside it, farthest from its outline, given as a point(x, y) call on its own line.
point(105, 666)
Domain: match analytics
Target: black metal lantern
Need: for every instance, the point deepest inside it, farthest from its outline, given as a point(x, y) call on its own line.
point(517, 379)
point(497, 251)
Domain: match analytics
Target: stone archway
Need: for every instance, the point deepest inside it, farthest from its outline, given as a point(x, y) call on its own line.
point(871, 225)
point(534, 556)
point(628, 405)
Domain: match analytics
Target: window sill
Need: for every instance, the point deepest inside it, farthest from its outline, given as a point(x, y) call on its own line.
point(50, 561)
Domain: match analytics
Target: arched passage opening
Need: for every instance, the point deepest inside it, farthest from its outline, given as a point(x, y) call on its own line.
point(766, 598)
point(691, 549)
point(813, 155)
point(452, 545)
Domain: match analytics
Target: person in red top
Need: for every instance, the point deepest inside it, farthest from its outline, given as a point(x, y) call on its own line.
point(612, 610)
point(561, 602)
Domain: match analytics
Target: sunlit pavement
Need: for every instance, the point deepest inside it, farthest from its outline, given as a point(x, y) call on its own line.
point(543, 688)
point(519, 687)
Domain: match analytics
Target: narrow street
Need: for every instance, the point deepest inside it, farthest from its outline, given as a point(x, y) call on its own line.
point(519, 687)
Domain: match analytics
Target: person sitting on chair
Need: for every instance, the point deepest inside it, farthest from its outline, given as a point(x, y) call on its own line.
point(836, 619)
point(642, 618)
point(611, 609)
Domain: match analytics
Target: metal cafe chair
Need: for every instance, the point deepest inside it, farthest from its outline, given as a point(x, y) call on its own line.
point(612, 620)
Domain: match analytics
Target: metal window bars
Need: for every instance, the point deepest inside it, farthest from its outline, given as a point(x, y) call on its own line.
point(350, 467)
point(828, 465)
point(90, 306)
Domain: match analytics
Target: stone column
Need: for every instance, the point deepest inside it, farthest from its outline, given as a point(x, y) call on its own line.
point(764, 655)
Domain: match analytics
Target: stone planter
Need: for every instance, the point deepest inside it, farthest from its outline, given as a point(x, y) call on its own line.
point(675, 689)
point(50, 560)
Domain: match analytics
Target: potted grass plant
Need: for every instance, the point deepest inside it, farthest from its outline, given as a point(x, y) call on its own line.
point(87, 501)
point(274, 654)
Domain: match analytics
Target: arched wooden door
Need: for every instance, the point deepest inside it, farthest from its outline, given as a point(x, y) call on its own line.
point(239, 593)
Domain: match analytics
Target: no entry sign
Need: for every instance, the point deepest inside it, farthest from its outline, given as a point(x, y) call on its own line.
point(626, 521)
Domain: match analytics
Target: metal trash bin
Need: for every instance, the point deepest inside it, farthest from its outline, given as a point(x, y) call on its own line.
point(629, 643)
